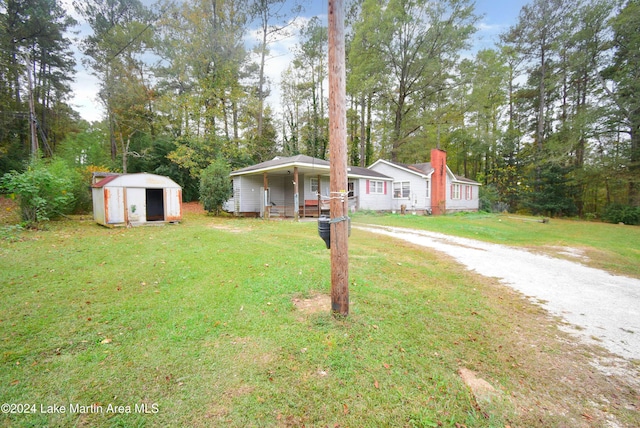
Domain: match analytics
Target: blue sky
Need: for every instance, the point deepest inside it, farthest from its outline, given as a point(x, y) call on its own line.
point(498, 15)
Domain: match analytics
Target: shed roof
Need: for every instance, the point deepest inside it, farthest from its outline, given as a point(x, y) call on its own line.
point(143, 180)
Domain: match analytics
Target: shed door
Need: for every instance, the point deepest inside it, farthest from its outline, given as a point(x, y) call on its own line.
point(155, 204)
point(114, 198)
point(173, 204)
point(136, 205)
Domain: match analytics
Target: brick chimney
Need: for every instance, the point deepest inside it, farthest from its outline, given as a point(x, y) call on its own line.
point(438, 181)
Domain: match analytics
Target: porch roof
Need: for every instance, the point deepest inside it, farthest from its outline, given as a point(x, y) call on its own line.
point(305, 165)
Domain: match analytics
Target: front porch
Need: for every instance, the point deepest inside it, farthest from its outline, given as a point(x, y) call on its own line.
point(307, 209)
point(294, 187)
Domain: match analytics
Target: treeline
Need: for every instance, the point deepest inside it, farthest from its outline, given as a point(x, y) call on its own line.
point(548, 120)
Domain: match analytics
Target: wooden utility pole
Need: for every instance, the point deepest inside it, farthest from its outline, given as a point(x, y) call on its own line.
point(338, 161)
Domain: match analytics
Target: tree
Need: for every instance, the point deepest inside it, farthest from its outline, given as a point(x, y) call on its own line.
point(536, 37)
point(415, 44)
point(34, 54)
point(121, 34)
point(215, 186)
point(273, 23)
point(203, 79)
point(44, 190)
point(310, 61)
point(625, 72)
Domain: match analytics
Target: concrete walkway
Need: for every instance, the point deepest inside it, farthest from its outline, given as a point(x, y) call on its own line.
point(603, 306)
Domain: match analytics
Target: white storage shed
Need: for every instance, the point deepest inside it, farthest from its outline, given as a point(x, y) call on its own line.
point(135, 199)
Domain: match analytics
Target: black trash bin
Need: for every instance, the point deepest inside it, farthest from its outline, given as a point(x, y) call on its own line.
point(324, 229)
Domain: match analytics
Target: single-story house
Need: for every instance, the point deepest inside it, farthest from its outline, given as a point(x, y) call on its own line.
point(299, 186)
point(135, 199)
point(429, 187)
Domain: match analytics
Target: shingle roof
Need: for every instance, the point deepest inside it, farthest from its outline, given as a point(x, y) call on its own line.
point(304, 161)
point(426, 169)
point(282, 162)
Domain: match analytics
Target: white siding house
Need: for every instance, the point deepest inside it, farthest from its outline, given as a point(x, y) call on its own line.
point(429, 187)
point(410, 187)
point(311, 195)
point(299, 186)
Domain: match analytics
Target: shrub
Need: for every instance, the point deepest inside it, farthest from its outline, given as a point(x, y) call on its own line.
point(215, 186)
point(44, 190)
point(618, 213)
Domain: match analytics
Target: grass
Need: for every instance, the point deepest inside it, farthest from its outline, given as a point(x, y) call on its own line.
point(197, 321)
point(612, 247)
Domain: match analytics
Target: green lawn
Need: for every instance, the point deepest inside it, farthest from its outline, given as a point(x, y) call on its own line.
point(197, 321)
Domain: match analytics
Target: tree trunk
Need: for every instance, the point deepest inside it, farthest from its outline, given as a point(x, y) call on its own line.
point(634, 164)
point(363, 142)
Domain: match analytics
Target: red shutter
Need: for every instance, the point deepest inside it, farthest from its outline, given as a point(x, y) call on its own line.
point(385, 187)
point(367, 187)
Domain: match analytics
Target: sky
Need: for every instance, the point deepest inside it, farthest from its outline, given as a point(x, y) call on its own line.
point(497, 16)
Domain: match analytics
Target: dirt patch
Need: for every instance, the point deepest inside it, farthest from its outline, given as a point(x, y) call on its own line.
point(228, 228)
point(315, 304)
point(570, 253)
point(9, 211)
point(193, 208)
point(481, 389)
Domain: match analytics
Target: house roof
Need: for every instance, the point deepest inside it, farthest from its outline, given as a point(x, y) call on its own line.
point(465, 179)
point(305, 165)
point(425, 170)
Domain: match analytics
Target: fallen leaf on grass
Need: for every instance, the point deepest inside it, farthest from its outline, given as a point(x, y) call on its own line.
point(105, 341)
point(345, 409)
point(375, 383)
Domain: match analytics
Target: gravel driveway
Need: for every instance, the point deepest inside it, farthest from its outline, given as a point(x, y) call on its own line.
point(599, 305)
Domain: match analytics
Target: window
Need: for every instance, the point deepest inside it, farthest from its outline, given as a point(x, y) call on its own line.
point(468, 192)
point(455, 191)
point(376, 186)
point(428, 189)
point(314, 185)
point(401, 189)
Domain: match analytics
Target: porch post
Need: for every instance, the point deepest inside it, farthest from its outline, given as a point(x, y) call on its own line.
point(296, 196)
point(265, 183)
point(319, 195)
